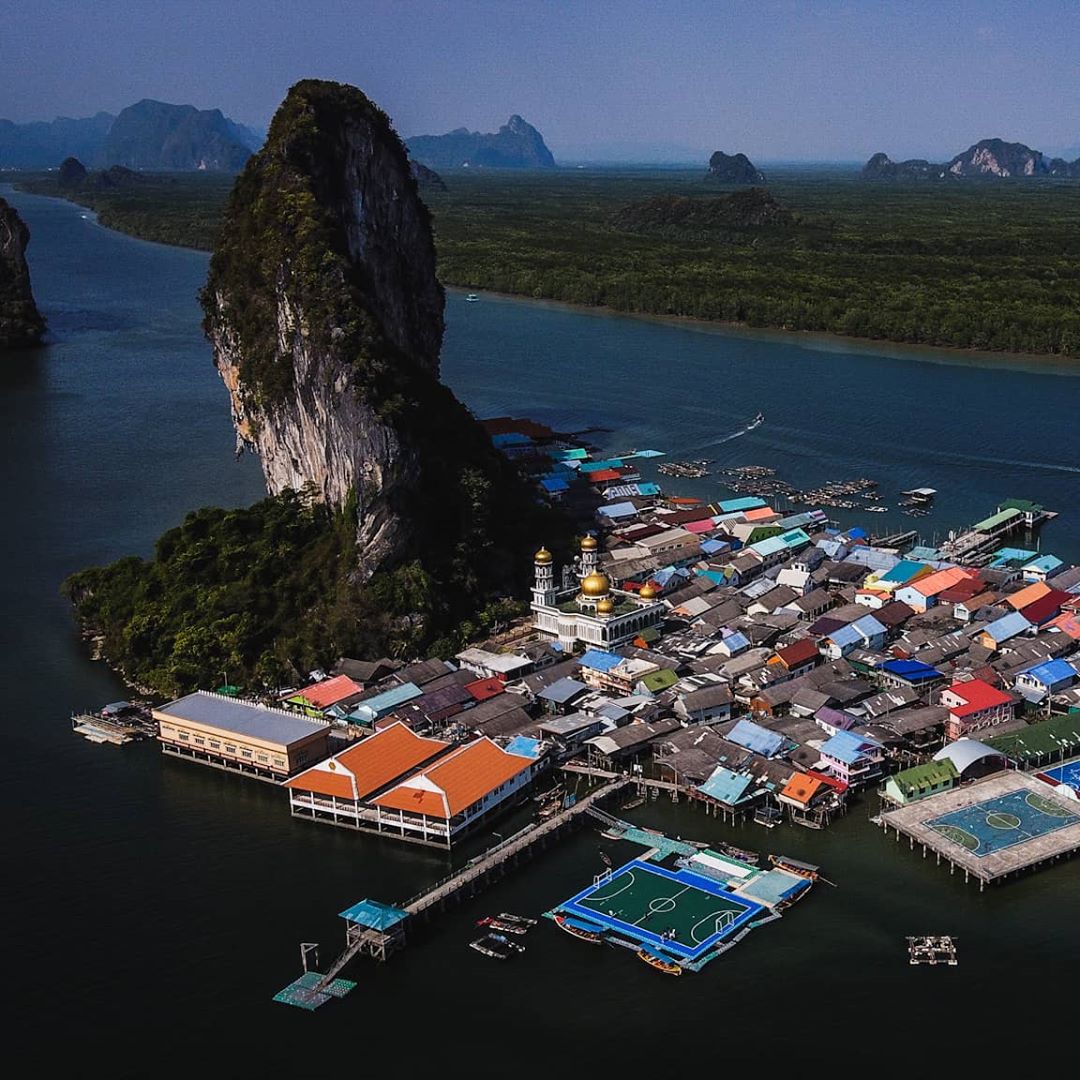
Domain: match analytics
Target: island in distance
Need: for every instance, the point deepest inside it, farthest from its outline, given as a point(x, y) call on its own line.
point(733, 169)
point(151, 135)
point(990, 158)
point(21, 324)
point(516, 145)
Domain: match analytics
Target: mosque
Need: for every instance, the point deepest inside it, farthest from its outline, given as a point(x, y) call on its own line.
point(584, 607)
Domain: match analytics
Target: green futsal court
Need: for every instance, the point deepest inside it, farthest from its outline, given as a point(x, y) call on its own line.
point(681, 912)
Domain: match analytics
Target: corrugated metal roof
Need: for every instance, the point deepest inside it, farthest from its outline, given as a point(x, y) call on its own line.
point(726, 786)
point(754, 737)
point(242, 717)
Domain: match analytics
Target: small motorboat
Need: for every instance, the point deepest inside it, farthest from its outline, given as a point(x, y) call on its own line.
point(660, 963)
point(501, 926)
point(580, 930)
point(506, 943)
point(516, 920)
point(488, 945)
point(472, 298)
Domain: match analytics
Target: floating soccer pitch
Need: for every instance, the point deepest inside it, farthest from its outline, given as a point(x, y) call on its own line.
point(1067, 774)
point(677, 912)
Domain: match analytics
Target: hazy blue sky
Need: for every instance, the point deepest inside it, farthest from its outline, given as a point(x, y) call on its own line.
point(776, 79)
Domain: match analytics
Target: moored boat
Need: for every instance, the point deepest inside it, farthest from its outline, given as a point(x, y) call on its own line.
point(506, 943)
point(581, 930)
point(489, 946)
point(501, 926)
point(517, 920)
point(660, 963)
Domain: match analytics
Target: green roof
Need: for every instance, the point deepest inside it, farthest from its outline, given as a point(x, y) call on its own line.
point(649, 634)
point(1037, 740)
point(994, 520)
point(660, 680)
point(921, 778)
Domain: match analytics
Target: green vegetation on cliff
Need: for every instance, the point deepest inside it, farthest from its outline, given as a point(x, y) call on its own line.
point(264, 594)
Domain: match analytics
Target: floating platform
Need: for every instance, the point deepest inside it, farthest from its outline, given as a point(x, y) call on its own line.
point(307, 993)
point(932, 950)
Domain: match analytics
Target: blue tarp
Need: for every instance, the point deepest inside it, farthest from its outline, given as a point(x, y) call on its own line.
point(911, 670)
point(599, 660)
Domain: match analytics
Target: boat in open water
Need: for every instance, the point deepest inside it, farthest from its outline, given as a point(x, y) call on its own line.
point(489, 945)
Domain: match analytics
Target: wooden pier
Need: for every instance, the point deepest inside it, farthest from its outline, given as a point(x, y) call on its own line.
point(471, 879)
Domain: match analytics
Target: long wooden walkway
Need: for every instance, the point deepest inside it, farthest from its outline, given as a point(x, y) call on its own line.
point(509, 850)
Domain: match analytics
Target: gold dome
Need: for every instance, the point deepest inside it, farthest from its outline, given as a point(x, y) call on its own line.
point(647, 592)
point(605, 606)
point(595, 585)
point(542, 556)
point(589, 543)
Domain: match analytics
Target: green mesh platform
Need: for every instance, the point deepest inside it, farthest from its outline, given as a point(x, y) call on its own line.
point(302, 993)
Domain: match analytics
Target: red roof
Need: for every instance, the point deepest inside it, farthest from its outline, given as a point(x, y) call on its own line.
point(798, 653)
point(604, 476)
point(483, 689)
point(330, 691)
point(976, 695)
point(1046, 607)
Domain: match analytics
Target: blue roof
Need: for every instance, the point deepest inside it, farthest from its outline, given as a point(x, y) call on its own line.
point(647, 453)
point(555, 483)
point(562, 691)
point(726, 786)
point(755, 737)
point(1008, 626)
point(577, 454)
point(715, 576)
point(1010, 556)
point(511, 438)
point(858, 533)
point(243, 717)
point(869, 626)
point(845, 636)
point(737, 640)
point(617, 510)
point(379, 705)
point(1052, 671)
point(599, 660)
point(374, 915)
point(903, 571)
point(523, 746)
point(911, 670)
point(848, 747)
point(1045, 563)
point(711, 547)
point(749, 502)
point(783, 542)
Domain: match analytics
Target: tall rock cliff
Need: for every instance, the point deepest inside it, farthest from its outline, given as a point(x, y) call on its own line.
point(326, 320)
point(21, 324)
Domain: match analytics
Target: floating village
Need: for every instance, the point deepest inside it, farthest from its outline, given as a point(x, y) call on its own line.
point(756, 660)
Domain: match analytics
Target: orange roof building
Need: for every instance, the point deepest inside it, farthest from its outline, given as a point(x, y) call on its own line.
point(366, 767)
point(801, 790)
point(450, 796)
point(1028, 595)
point(322, 695)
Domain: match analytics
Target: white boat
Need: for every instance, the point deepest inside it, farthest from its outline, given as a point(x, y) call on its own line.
point(472, 298)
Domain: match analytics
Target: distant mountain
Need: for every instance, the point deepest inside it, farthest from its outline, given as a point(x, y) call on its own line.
point(733, 169)
point(516, 145)
point(719, 216)
point(148, 135)
point(44, 144)
point(988, 158)
point(155, 135)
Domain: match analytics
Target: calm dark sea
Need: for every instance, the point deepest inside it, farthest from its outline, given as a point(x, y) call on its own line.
point(151, 909)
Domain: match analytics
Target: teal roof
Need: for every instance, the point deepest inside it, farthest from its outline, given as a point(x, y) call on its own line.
point(375, 916)
point(903, 571)
point(726, 786)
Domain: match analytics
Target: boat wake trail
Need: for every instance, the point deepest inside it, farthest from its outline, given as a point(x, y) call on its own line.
point(756, 422)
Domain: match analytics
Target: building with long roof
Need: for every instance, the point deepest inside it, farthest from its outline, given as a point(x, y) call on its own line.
point(586, 608)
point(240, 736)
